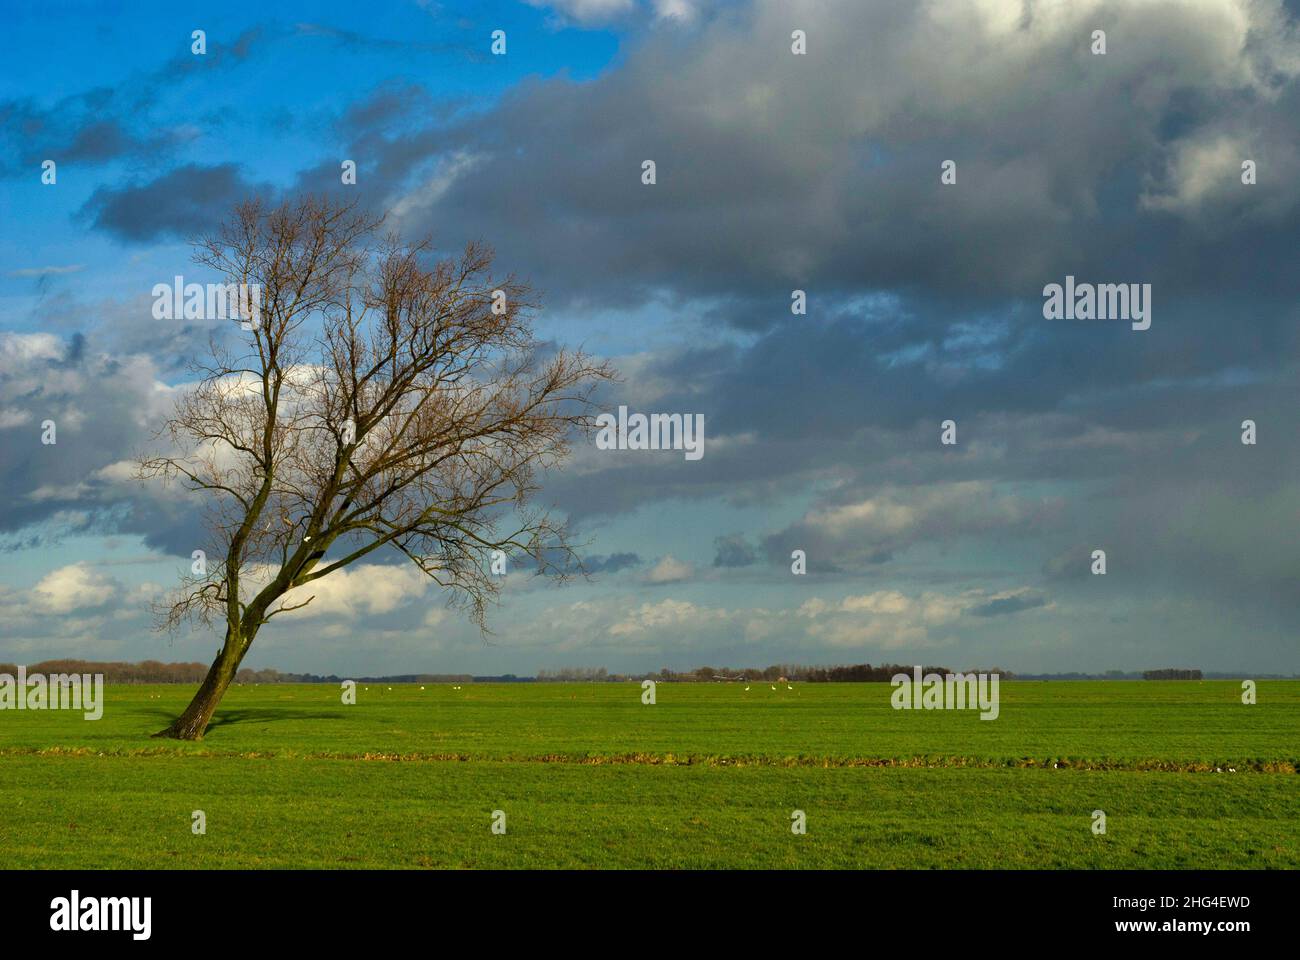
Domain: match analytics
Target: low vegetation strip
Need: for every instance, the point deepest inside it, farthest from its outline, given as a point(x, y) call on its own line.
point(689, 760)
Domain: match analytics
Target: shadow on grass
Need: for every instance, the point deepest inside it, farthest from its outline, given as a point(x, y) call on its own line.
point(263, 715)
point(259, 715)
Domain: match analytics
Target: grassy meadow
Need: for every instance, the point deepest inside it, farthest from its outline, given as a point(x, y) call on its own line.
point(708, 777)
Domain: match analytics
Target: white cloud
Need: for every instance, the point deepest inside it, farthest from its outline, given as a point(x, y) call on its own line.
point(428, 193)
point(894, 519)
point(586, 11)
point(887, 619)
point(667, 615)
point(881, 620)
point(669, 570)
point(17, 349)
point(683, 10)
point(74, 587)
point(363, 589)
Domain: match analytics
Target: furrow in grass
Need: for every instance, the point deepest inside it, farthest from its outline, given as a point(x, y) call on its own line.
point(702, 760)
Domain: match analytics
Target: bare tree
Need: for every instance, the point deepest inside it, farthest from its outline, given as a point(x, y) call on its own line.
point(377, 404)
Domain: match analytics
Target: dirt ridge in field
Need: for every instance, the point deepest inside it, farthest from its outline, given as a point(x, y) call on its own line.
point(688, 760)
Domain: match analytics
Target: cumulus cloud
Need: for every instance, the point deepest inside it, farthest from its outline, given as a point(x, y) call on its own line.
point(874, 529)
point(667, 616)
point(104, 406)
point(74, 587)
point(844, 146)
point(883, 620)
point(669, 570)
point(78, 609)
point(894, 620)
point(358, 591)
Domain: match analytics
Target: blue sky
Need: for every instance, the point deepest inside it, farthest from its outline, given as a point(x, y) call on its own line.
point(775, 172)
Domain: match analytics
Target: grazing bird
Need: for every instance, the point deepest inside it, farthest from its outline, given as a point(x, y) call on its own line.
point(774, 688)
point(788, 687)
point(747, 689)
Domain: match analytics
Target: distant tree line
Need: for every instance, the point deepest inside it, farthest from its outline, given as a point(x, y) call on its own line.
point(861, 673)
point(147, 671)
point(1171, 674)
point(850, 673)
point(154, 671)
point(575, 675)
point(1076, 675)
point(855, 673)
point(858, 673)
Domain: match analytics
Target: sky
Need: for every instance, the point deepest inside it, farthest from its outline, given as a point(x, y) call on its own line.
point(775, 171)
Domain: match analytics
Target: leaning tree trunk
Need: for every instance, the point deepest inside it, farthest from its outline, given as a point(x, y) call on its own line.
point(191, 724)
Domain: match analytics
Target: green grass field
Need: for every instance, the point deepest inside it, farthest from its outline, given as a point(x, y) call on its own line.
point(588, 776)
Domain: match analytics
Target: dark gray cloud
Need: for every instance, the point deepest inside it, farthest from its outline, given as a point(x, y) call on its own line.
point(74, 130)
point(385, 108)
point(611, 563)
point(103, 408)
point(822, 172)
point(733, 550)
point(187, 201)
point(1014, 603)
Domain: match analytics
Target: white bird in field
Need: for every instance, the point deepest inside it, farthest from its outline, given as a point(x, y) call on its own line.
point(747, 689)
point(422, 688)
point(774, 688)
point(788, 687)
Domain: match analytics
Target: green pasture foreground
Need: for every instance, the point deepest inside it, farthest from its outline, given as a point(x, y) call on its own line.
point(91, 811)
point(588, 776)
